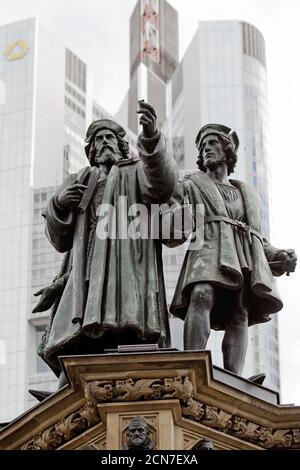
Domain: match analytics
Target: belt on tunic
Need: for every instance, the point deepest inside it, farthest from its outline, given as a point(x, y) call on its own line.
point(236, 223)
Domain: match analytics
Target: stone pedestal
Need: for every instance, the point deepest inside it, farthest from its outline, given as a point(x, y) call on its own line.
point(182, 398)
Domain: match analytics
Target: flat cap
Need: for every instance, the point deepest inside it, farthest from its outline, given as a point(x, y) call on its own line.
point(218, 129)
point(98, 126)
point(138, 420)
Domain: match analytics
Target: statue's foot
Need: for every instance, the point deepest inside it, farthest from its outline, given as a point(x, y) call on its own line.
point(258, 379)
point(39, 394)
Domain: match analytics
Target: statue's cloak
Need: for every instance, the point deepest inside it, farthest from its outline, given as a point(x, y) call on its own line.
point(217, 262)
point(124, 300)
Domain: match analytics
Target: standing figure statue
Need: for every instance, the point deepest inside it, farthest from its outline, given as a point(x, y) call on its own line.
point(227, 284)
point(110, 290)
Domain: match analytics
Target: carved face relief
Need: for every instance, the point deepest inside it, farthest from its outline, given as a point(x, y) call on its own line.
point(137, 434)
point(203, 444)
point(212, 151)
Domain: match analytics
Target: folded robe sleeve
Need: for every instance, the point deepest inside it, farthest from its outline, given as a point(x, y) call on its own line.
point(60, 223)
point(157, 171)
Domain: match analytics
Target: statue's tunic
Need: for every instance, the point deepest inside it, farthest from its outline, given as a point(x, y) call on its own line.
point(114, 293)
point(234, 204)
point(226, 259)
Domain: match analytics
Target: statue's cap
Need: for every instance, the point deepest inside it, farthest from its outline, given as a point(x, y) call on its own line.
point(98, 126)
point(138, 420)
point(217, 129)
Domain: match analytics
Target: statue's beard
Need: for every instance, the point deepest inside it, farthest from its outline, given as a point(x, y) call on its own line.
point(107, 156)
point(214, 163)
point(137, 441)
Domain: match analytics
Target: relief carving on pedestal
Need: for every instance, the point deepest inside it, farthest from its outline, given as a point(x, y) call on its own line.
point(179, 387)
point(66, 429)
point(138, 435)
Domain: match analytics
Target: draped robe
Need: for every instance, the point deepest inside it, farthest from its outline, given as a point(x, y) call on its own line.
point(217, 261)
point(120, 297)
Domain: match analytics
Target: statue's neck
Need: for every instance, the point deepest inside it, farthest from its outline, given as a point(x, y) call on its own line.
point(105, 169)
point(219, 174)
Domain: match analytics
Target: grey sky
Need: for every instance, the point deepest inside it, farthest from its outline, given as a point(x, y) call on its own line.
point(98, 31)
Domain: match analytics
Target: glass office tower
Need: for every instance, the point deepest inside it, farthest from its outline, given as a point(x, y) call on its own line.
point(153, 58)
point(46, 105)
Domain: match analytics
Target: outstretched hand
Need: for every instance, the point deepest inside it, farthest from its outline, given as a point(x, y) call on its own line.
point(147, 119)
point(48, 297)
point(285, 262)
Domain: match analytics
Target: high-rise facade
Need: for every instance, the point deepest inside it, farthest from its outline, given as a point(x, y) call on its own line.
point(31, 145)
point(222, 79)
point(153, 58)
point(46, 106)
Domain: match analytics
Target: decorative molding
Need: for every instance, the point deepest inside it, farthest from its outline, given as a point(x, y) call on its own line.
point(139, 389)
point(193, 409)
point(216, 418)
point(181, 388)
point(188, 440)
point(98, 443)
point(240, 427)
point(66, 429)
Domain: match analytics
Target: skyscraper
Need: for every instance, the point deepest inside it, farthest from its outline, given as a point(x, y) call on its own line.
point(46, 106)
point(31, 127)
point(153, 58)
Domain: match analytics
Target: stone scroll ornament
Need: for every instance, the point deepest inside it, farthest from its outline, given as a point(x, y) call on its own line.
point(180, 388)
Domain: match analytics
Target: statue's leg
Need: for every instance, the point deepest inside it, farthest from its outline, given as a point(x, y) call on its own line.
point(197, 321)
point(235, 341)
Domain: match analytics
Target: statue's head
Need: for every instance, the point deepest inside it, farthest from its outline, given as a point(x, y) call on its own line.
point(217, 144)
point(138, 434)
point(203, 444)
point(105, 143)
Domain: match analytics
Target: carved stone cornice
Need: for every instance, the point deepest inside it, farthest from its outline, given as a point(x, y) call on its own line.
point(180, 387)
point(242, 428)
point(245, 415)
point(139, 389)
point(66, 429)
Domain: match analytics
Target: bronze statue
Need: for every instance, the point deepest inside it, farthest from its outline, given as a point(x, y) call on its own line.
point(110, 290)
point(226, 284)
point(138, 435)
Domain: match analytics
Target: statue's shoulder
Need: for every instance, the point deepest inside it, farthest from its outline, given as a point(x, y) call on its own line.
point(246, 189)
point(184, 178)
point(242, 185)
point(192, 177)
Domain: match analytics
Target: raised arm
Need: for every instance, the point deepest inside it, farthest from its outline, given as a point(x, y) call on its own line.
point(157, 172)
